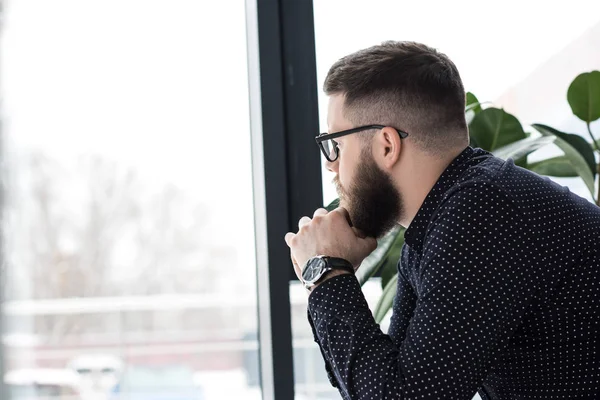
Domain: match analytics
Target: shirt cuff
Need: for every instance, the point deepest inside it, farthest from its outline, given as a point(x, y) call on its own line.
point(339, 293)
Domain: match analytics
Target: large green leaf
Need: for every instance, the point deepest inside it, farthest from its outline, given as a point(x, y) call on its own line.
point(472, 107)
point(584, 96)
point(472, 103)
point(493, 128)
point(473, 142)
point(577, 150)
point(557, 166)
point(521, 148)
point(576, 141)
point(333, 205)
point(386, 300)
point(376, 259)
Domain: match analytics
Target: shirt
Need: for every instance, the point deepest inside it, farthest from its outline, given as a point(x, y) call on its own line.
point(498, 293)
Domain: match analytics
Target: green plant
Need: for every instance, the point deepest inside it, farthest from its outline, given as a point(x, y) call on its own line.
point(501, 133)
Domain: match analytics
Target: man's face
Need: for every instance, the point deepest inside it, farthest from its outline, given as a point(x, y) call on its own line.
point(366, 191)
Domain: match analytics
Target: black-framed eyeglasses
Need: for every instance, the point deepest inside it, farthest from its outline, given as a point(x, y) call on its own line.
point(329, 147)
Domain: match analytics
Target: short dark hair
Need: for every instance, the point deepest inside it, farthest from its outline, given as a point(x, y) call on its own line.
point(407, 85)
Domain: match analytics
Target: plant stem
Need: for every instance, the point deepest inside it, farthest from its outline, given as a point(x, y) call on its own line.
point(598, 165)
point(592, 136)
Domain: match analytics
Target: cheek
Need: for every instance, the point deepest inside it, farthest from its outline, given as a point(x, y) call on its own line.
point(345, 173)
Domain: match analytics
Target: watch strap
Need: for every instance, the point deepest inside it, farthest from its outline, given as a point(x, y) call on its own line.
point(333, 264)
point(339, 263)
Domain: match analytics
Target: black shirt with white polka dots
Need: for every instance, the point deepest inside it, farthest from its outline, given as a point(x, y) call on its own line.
point(498, 293)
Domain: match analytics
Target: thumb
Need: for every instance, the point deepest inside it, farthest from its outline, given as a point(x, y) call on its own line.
point(368, 243)
point(358, 233)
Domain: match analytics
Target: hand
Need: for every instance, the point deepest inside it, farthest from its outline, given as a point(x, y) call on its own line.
point(330, 234)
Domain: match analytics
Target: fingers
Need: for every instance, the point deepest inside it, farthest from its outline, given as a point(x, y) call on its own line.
point(306, 220)
point(288, 238)
point(358, 233)
point(344, 213)
point(369, 243)
point(320, 211)
point(303, 221)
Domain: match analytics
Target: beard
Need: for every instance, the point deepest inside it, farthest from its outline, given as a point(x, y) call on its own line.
point(373, 202)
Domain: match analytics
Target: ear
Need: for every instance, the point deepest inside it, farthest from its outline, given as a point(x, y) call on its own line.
point(386, 147)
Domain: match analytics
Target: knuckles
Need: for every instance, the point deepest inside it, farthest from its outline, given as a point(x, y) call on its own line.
point(318, 219)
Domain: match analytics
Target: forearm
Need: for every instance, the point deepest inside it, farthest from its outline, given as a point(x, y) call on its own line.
point(433, 358)
point(363, 360)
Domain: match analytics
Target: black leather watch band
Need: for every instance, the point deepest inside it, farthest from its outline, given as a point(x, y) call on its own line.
point(336, 264)
point(340, 263)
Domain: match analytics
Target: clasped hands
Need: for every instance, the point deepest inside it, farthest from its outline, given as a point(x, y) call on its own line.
point(329, 234)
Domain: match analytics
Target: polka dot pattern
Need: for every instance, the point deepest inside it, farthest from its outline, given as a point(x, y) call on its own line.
point(498, 294)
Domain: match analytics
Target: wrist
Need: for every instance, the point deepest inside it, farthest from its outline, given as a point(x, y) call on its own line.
point(320, 268)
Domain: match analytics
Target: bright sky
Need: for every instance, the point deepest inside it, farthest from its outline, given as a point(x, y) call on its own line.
point(161, 86)
point(146, 83)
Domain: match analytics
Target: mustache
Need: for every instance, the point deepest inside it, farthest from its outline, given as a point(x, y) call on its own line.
point(338, 186)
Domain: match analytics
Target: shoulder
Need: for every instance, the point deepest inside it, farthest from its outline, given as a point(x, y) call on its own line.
point(477, 198)
point(477, 209)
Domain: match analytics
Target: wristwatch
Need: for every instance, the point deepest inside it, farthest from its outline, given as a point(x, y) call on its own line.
point(318, 266)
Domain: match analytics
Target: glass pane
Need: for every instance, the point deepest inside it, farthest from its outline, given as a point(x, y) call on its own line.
point(527, 74)
point(129, 226)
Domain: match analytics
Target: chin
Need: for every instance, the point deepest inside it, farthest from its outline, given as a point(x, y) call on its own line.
point(348, 208)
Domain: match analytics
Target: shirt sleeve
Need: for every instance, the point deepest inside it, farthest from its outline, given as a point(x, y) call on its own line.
point(473, 291)
point(404, 304)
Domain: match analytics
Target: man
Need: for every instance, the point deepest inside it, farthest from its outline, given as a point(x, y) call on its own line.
point(499, 277)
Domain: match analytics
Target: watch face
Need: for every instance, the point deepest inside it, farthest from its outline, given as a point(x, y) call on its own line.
point(313, 270)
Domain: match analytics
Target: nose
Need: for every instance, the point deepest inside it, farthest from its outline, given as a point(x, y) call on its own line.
point(332, 166)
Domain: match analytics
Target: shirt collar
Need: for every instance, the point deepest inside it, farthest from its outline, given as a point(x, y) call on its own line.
point(415, 234)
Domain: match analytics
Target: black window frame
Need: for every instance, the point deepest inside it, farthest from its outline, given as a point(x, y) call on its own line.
point(289, 170)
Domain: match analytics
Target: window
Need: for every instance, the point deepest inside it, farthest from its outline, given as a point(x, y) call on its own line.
point(128, 203)
point(527, 74)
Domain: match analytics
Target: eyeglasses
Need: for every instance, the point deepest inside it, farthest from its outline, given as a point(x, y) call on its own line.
point(329, 146)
